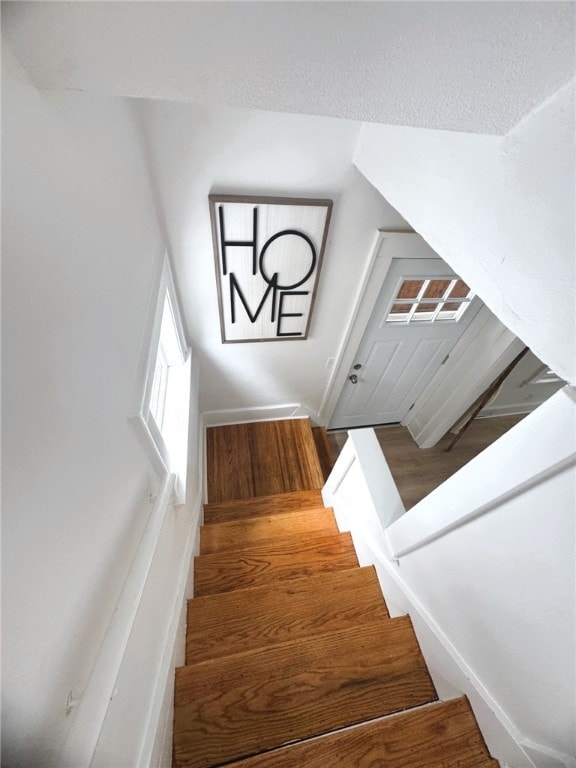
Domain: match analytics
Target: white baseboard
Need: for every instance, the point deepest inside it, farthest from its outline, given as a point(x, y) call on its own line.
point(156, 750)
point(261, 413)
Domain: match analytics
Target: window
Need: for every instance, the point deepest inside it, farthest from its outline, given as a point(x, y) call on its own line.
point(429, 301)
point(168, 357)
point(162, 420)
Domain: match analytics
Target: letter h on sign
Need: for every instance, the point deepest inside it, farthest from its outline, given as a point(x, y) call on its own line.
point(264, 250)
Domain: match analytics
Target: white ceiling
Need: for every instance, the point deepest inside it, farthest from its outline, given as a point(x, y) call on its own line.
point(460, 66)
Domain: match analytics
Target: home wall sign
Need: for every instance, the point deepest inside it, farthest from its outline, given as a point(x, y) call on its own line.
point(267, 254)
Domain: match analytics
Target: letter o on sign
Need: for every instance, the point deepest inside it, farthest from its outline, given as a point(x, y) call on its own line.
point(285, 233)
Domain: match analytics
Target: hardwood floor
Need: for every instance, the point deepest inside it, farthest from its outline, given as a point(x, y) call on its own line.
point(261, 459)
point(418, 471)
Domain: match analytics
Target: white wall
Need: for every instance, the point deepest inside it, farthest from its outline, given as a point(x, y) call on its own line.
point(81, 248)
point(195, 150)
point(500, 211)
point(454, 66)
point(496, 569)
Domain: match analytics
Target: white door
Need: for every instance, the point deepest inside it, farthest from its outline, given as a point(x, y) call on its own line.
point(422, 310)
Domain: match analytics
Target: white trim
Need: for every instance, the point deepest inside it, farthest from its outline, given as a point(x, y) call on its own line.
point(142, 430)
point(376, 269)
point(482, 352)
point(547, 756)
point(142, 420)
point(259, 413)
point(204, 455)
point(91, 705)
point(362, 447)
point(364, 302)
point(156, 723)
point(461, 517)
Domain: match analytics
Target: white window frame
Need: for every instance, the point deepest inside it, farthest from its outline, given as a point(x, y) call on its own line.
point(439, 314)
point(164, 459)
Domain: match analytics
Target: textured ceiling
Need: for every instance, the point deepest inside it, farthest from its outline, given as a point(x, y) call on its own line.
point(460, 66)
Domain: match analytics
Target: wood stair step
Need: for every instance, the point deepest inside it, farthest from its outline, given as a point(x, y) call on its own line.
point(246, 619)
point(291, 557)
point(239, 534)
point(261, 458)
point(239, 509)
point(242, 704)
point(443, 735)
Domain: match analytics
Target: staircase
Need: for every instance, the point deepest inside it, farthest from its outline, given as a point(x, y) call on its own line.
point(292, 660)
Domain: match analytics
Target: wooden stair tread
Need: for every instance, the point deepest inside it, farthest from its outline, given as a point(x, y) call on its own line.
point(261, 458)
point(239, 509)
point(442, 735)
point(324, 450)
point(242, 704)
point(288, 558)
point(239, 534)
point(243, 620)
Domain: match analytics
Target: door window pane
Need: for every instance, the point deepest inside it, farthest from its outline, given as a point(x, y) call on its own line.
point(421, 300)
point(410, 289)
point(401, 308)
point(460, 290)
point(425, 307)
point(436, 289)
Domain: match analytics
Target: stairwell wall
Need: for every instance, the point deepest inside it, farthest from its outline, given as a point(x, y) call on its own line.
point(81, 250)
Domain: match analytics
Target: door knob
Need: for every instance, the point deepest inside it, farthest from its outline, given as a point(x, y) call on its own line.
point(353, 378)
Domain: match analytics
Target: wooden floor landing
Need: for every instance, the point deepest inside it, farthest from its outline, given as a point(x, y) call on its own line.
point(261, 459)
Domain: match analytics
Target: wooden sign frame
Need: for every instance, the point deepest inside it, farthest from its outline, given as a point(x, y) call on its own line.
point(268, 252)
